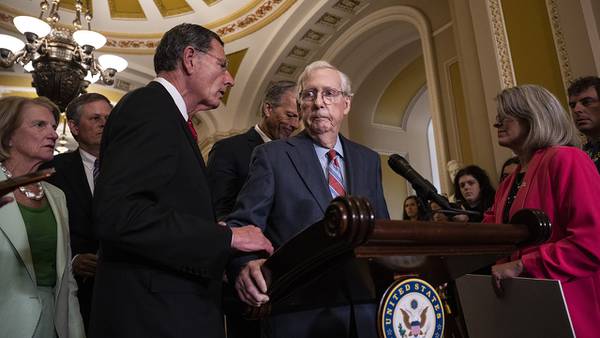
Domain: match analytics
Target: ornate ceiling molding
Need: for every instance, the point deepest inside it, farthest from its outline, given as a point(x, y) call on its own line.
point(245, 21)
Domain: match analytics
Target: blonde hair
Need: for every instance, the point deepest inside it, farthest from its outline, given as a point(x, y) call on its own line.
point(11, 108)
point(548, 122)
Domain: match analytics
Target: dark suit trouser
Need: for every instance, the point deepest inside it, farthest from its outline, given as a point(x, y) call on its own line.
point(85, 288)
point(237, 326)
point(332, 322)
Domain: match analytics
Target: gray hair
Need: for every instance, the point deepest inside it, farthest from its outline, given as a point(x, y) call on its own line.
point(321, 64)
point(274, 94)
point(549, 124)
point(170, 49)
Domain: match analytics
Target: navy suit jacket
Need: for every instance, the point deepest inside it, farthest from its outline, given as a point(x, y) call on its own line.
point(287, 191)
point(162, 255)
point(227, 167)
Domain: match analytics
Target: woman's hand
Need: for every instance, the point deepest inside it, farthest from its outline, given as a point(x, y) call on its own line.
point(504, 271)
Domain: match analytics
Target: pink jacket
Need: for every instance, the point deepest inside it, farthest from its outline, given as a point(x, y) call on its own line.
point(564, 183)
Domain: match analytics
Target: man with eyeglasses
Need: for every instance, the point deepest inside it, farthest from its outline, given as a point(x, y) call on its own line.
point(290, 184)
point(584, 102)
point(162, 253)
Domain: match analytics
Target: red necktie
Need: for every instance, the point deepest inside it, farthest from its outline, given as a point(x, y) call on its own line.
point(192, 130)
point(334, 175)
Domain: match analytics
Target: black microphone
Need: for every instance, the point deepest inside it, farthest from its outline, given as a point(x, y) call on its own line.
point(419, 183)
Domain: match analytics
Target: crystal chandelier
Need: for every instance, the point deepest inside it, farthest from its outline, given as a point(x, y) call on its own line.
point(60, 59)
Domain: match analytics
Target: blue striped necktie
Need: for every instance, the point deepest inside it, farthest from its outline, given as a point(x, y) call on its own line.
point(334, 175)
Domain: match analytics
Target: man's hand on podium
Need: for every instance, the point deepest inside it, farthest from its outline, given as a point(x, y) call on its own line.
point(250, 285)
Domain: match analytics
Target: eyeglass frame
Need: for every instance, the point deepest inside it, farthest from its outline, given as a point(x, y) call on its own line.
point(327, 99)
point(223, 63)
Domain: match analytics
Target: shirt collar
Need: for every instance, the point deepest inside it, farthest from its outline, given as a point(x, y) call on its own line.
point(262, 134)
point(88, 159)
point(179, 102)
point(321, 151)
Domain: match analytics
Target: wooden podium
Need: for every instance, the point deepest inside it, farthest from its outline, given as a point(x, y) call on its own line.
point(435, 252)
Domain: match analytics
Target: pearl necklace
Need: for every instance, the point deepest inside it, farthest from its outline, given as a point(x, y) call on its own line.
point(28, 193)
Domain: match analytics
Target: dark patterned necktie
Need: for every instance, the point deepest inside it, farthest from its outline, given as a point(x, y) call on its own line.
point(334, 175)
point(96, 170)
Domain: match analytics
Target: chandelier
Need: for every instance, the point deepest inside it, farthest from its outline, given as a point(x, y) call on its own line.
point(60, 59)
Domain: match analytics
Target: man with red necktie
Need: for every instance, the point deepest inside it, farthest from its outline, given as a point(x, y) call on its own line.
point(162, 253)
point(290, 184)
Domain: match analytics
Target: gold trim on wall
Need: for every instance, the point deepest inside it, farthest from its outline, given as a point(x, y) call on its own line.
point(503, 55)
point(559, 42)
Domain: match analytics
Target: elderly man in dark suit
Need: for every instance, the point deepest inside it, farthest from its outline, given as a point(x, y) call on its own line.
point(162, 254)
point(86, 116)
point(229, 158)
point(290, 184)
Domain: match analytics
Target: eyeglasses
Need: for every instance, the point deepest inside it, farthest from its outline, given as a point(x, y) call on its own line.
point(223, 63)
point(329, 95)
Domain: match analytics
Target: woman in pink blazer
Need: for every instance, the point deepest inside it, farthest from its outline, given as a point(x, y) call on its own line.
point(561, 180)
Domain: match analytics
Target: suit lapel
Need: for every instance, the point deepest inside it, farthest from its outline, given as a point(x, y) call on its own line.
point(174, 112)
point(254, 139)
point(350, 163)
point(75, 175)
point(12, 225)
point(303, 156)
point(61, 224)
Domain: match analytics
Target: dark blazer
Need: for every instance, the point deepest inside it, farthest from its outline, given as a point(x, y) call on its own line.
point(228, 165)
point(287, 191)
point(71, 179)
point(162, 255)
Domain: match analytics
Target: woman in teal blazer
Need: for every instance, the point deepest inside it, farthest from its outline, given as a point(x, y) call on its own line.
point(37, 288)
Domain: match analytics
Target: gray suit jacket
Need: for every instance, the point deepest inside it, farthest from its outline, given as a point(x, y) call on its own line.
point(287, 191)
point(20, 307)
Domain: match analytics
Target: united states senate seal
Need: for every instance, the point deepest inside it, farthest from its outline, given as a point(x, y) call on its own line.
point(411, 308)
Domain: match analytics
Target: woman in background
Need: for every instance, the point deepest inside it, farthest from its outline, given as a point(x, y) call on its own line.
point(472, 188)
point(508, 167)
point(560, 179)
point(436, 214)
point(37, 288)
point(413, 210)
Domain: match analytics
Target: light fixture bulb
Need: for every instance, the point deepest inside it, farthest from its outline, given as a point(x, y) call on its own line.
point(28, 67)
point(85, 37)
point(11, 43)
point(29, 24)
point(92, 78)
point(108, 61)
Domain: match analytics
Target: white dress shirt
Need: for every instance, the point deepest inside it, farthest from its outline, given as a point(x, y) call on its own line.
point(88, 167)
point(263, 135)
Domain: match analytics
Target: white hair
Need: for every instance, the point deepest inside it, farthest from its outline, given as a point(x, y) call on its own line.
point(321, 64)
